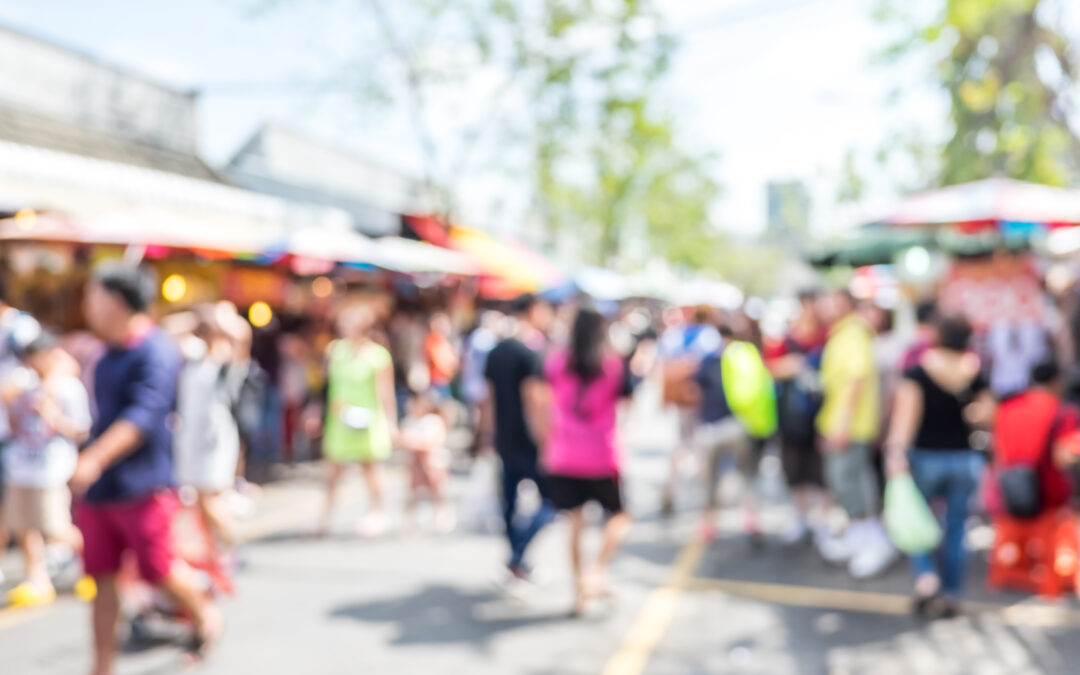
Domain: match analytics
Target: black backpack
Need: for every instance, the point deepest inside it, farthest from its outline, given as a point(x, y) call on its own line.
point(798, 402)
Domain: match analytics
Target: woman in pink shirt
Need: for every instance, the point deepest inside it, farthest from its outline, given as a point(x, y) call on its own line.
point(582, 454)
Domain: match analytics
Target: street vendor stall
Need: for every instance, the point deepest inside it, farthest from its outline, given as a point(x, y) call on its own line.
point(971, 219)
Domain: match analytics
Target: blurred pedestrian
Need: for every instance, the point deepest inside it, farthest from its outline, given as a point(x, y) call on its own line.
point(848, 423)
point(124, 476)
point(581, 448)
point(293, 385)
point(1035, 454)
point(361, 415)
point(1015, 347)
point(474, 387)
point(926, 314)
point(794, 364)
point(1029, 424)
point(723, 440)
point(50, 417)
point(930, 436)
point(514, 372)
point(207, 438)
point(682, 347)
point(442, 358)
point(9, 320)
point(423, 436)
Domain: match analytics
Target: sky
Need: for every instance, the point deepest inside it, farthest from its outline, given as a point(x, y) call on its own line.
point(780, 89)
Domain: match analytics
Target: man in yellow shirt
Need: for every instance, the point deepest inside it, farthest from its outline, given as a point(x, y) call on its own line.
point(848, 424)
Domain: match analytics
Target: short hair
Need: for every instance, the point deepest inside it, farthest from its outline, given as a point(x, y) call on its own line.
point(847, 296)
point(1046, 371)
point(809, 295)
point(42, 343)
point(888, 318)
point(133, 284)
point(954, 333)
point(925, 312)
point(702, 313)
point(522, 304)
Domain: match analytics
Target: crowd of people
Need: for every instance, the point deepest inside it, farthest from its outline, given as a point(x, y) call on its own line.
point(97, 440)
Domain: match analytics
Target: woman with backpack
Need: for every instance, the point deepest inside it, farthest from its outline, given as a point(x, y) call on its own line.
point(937, 403)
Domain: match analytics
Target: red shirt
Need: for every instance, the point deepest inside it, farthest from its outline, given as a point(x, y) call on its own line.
point(441, 358)
point(1021, 434)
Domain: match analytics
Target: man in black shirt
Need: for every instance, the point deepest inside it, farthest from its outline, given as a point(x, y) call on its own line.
point(515, 373)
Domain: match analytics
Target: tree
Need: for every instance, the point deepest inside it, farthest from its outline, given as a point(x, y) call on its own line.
point(557, 96)
point(609, 169)
point(1008, 73)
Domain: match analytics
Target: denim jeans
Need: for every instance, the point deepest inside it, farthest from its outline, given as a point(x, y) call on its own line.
point(520, 534)
point(952, 475)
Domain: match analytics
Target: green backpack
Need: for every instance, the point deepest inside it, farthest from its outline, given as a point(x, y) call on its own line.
point(749, 388)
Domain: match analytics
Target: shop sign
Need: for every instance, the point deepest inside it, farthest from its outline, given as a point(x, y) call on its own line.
point(1002, 287)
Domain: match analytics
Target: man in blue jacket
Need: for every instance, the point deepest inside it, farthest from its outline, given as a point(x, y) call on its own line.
point(124, 478)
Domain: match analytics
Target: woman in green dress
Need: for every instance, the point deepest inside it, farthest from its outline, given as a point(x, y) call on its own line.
point(361, 412)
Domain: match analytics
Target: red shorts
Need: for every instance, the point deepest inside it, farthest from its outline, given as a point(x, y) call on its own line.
point(142, 526)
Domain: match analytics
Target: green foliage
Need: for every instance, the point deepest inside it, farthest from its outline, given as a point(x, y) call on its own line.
point(852, 185)
point(576, 111)
point(1008, 72)
point(608, 166)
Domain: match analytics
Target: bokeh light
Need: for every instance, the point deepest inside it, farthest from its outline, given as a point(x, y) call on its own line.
point(260, 315)
point(322, 287)
point(917, 262)
point(25, 219)
point(174, 288)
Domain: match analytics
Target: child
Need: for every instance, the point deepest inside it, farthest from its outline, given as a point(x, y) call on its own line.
point(50, 416)
point(423, 435)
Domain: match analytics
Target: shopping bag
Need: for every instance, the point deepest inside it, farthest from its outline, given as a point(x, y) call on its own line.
point(484, 511)
point(908, 519)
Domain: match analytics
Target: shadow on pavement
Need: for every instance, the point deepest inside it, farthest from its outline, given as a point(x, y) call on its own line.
point(444, 615)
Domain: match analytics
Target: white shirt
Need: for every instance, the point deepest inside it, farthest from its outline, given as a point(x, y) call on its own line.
point(37, 456)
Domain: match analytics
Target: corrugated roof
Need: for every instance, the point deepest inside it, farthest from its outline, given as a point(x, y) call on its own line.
point(29, 128)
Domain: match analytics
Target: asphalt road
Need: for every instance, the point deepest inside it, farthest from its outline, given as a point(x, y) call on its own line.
point(435, 603)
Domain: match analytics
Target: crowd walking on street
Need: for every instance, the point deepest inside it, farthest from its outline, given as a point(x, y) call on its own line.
point(128, 466)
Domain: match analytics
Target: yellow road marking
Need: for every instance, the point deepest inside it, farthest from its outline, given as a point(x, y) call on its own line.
point(10, 616)
point(809, 596)
point(837, 599)
point(655, 615)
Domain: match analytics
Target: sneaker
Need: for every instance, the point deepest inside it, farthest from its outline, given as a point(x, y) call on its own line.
point(86, 589)
point(27, 594)
point(839, 549)
point(372, 525)
point(795, 533)
point(445, 520)
point(875, 556)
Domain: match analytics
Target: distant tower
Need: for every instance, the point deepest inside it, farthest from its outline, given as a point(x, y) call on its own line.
point(789, 211)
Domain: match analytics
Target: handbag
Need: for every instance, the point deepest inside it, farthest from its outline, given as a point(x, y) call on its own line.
point(1021, 491)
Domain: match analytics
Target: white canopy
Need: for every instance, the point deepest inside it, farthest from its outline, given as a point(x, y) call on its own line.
point(409, 256)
